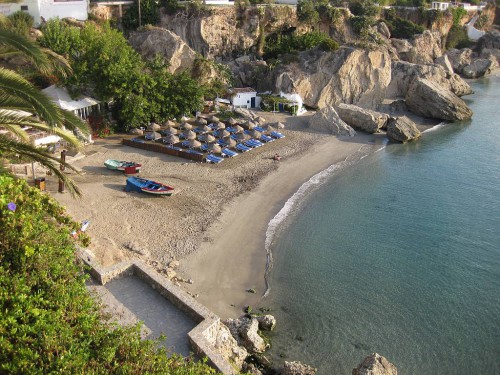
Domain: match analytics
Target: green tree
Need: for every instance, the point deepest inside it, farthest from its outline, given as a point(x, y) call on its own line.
point(150, 14)
point(306, 11)
point(23, 105)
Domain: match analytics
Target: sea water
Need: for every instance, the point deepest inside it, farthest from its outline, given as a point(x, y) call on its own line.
point(399, 255)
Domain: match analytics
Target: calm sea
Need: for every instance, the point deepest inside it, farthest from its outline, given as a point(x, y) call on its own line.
point(399, 255)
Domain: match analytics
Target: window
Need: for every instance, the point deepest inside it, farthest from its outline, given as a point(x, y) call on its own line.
point(24, 7)
point(248, 101)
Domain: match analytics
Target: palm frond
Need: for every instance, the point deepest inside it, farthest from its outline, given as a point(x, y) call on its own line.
point(29, 49)
point(60, 65)
point(72, 122)
point(17, 86)
point(42, 157)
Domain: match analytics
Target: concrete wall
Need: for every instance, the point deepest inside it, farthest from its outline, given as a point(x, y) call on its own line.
point(201, 337)
point(49, 9)
point(245, 100)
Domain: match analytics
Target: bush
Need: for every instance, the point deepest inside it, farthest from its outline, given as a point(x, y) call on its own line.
point(49, 322)
point(288, 44)
point(21, 22)
point(458, 14)
point(364, 8)
point(150, 15)
point(306, 11)
point(361, 25)
point(404, 29)
point(60, 37)
point(457, 38)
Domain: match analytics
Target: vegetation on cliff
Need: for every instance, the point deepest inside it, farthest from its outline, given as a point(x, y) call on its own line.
point(49, 322)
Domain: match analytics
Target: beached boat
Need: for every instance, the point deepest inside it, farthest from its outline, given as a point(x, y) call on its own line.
point(147, 186)
point(122, 165)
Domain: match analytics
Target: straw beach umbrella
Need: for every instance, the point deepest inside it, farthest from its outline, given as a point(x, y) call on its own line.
point(280, 125)
point(255, 134)
point(220, 125)
point(214, 147)
point(214, 119)
point(232, 121)
point(170, 130)
point(239, 129)
point(171, 139)
point(250, 125)
point(230, 142)
point(223, 133)
point(205, 129)
point(191, 135)
point(153, 136)
point(187, 126)
point(261, 120)
point(170, 123)
point(270, 129)
point(193, 143)
point(201, 121)
point(210, 138)
point(242, 136)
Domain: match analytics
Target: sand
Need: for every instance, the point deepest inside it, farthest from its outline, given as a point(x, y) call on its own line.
point(215, 224)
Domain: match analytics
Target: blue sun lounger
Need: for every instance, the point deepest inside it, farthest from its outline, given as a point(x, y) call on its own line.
point(241, 147)
point(260, 129)
point(228, 153)
point(266, 138)
point(277, 135)
point(204, 148)
point(253, 143)
point(213, 159)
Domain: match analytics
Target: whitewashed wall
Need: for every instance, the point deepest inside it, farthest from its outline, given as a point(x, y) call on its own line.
point(245, 100)
point(49, 9)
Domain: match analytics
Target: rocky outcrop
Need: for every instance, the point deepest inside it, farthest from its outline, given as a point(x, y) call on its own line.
point(245, 331)
point(444, 62)
point(362, 119)
point(328, 120)
point(459, 58)
point(375, 364)
point(426, 98)
point(226, 345)
point(404, 73)
point(266, 322)
point(348, 75)
point(402, 129)
point(224, 32)
point(422, 49)
point(154, 41)
point(479, 68)
point(297, 368)
point(489, 41)
point(383, 30)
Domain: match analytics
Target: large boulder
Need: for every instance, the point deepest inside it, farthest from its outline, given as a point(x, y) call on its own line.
point(383, 30)
point(479, 68)
point(426, 98)
point(266, 322)
point(424, 48)
point(155, 41)
point(348, 75)
point(245, 331)
point(362, 119)
point(404, 73)
point(297, 368)
point(328, 119)
point(402, 129)
point(459, 58)
point(227, 346)
point(375, 364)
point(445, 63)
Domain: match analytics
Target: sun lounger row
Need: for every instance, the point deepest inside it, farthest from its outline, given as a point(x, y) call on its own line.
point(211, 158)
point(253, 143)
point(228, 153)
point(277, 135)
point(241, 147)
point(266, 138)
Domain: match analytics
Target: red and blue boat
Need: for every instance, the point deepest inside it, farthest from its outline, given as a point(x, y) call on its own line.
point(142, 185)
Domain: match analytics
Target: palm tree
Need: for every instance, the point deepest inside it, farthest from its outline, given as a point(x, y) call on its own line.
point(23, 105)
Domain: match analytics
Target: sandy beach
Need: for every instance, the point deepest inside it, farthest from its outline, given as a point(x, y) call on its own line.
point(215, 224)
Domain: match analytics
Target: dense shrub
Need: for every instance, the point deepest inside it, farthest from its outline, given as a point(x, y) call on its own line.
point(150, 15)
point(401, 28)
point(366, 8)
point(361, 25)
point(21, 22)
point(457, 13)
point(307, 12)
point(278, 44)
point(457, 38)
point(49, 322)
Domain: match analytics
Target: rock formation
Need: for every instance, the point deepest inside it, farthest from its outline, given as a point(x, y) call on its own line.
point(153, 41)
point(421, 49)
point(402, 129)
point(375, 364)
point(444, 62)
point(297, 368)
point(266, 322)
point(348, 75)
point(328, 119)
point(245, 331)
point(479, 68)
point(362, 119)
point(227, 346)
point(426, 98)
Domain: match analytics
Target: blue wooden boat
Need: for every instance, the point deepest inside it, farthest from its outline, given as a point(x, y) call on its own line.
point(141, 185)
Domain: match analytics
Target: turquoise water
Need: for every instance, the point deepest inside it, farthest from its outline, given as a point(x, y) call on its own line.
point(399, 255)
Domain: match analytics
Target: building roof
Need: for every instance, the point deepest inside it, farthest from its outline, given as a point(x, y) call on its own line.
point(61, 97)
point(242, 90)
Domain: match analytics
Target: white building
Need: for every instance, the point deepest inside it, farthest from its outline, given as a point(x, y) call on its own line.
point(48, 9)
point(82, 107)
point(244, 97)
point(438, 5)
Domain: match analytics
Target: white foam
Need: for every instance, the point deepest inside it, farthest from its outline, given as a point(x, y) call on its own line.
point(436, 127)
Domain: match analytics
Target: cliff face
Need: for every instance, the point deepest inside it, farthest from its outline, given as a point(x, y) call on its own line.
point(349, 75)
point(225, 32)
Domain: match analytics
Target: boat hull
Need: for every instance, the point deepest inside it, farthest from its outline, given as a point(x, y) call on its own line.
point(142, 185)
point(126, 166)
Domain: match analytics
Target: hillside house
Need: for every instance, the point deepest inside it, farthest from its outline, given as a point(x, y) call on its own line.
point(244, 97)
point(47, 9)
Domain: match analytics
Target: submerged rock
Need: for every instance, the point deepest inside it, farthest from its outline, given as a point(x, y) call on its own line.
point(328, 119)
point(402, 129)
point(245, 331)
point(297, 368)
point(426, 98)
point(266, 322)
point(362, 119)
point(375, 364)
